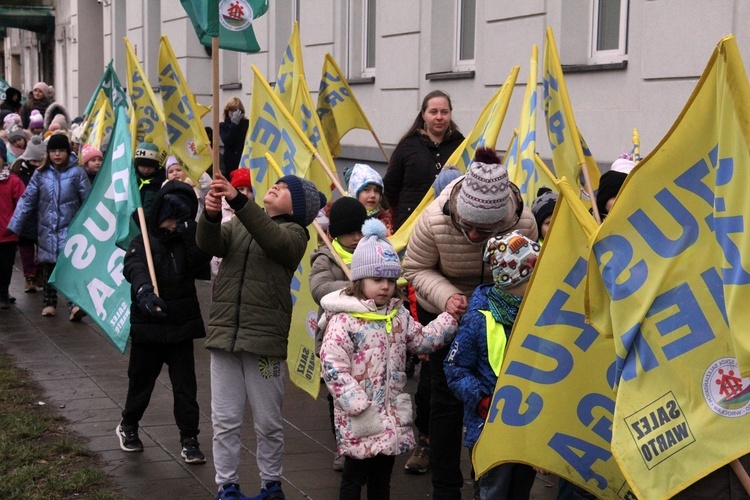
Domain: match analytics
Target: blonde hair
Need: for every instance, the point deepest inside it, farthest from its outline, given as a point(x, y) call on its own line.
point(232, 104)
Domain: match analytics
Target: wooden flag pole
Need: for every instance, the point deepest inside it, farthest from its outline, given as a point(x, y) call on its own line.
point(590, 192)
point(215, 90)
point(339, 260)
point(741, 473)
point(329, 173)
point(147, 248)
point(380, 145)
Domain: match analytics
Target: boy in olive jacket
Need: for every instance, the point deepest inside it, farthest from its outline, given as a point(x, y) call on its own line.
point(250, 318)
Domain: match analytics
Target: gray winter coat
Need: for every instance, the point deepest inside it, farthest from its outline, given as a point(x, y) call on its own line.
point(55, 197)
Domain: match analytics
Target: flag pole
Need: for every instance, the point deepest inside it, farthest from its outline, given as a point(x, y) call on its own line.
point(380, 145)
point(590, 192)
point(741, 473)
point(329, 173)
point(215, 102)
point(147, 248)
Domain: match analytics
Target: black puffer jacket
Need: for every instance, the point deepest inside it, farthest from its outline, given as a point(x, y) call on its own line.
point(177, 260)
point(412, 170)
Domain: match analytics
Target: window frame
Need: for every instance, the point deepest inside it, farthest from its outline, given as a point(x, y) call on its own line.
point(458, 63)
point(617, 55)
point(365, 70)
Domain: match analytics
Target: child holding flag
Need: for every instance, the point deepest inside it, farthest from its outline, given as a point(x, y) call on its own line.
point(368, 334)
point(250, 317)
point(476, 355)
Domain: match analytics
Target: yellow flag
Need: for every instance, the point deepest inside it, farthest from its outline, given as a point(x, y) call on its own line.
point(484, 134)
point(338, 109)
point(669, 279)
point(100, 121)
point(569, 150)
point(521, 160)
point(291, 71)
point(147, 122)
point(187, 135)
point(272, 130)
point(553, 404)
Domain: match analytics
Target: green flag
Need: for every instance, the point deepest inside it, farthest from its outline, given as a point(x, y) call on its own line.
point(3, 87)
point(230, 20)
point(112, 88)
point(89, 269)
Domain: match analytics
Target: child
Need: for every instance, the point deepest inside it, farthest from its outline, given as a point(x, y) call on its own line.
point(176, 172)
point(148, 171)
point(251, 313)
point(11, 189)
point(91, 161)
point(55, 193)
point(611, 182)
point(469, 369)
point(326, 275)
point(364, 350)
point(24, 167)
point(542, 208)
point(162, 328)
point(366, 185)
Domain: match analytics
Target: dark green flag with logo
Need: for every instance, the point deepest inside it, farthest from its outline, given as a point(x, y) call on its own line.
point(230, 20)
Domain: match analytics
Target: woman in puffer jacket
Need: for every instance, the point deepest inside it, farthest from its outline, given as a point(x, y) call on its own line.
point(55, 193)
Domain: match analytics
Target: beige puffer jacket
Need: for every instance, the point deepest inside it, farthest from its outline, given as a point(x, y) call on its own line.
point(440, 261)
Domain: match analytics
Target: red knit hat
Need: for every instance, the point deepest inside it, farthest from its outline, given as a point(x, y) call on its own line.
point(241, 178)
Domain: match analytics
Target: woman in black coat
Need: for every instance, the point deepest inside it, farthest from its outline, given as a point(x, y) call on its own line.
point(232, 132)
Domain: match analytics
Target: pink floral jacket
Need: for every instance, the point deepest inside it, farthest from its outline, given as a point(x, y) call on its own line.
point(363, 367)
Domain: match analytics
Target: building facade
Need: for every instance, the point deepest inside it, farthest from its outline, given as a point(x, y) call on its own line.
point(628, 63)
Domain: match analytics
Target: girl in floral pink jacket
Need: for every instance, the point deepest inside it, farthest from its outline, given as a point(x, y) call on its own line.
point(368, 334)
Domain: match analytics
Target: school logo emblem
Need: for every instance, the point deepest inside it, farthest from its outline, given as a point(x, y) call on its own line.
point(191, 149)
point(235, 15)
point(312, 323)
point(724, 389)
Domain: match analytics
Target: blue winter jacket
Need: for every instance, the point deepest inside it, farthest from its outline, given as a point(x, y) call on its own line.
point(467, 367)
point(55, 196)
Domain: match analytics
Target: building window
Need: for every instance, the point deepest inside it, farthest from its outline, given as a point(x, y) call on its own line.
point(466, 20)
point(609, 31)
point(368, 45)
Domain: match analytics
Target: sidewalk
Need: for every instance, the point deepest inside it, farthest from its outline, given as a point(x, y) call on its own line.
point(85, 379)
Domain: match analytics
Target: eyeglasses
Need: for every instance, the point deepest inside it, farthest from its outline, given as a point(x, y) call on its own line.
point(467, 228)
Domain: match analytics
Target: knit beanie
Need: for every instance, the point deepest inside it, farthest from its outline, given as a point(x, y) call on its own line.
point(610, 182)
point(11, 120)
point(147, 155)
point(512, 257)
point(43, 87)
point(448, 174)
point(88, 152)
point(374, 256)
point(484, 193)
point(306, 199)
point(76, 132)
point(35, 149)
point(543, 205)
point(240, 177)
point(171, 160)
point(58, 141)
point(36, 120)
point(15, 134)
point(359, 176)
point(346, 216)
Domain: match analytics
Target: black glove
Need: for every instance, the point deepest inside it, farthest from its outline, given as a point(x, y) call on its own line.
point(150, 303)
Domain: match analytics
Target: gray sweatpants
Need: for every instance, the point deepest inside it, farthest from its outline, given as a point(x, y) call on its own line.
point(262, 379)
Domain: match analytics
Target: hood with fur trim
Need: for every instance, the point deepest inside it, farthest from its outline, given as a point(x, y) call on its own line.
point(53, 110)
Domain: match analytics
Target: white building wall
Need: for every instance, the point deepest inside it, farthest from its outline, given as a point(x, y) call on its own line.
point(669, 43)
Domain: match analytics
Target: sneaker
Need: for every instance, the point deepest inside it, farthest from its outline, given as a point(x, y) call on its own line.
point(338, 462)
point(419, 462)
point(191, 452)
point(48, 311)
point(272, 491)
point(76, 314)
point(129, 440)
point(30, 286)
point(230, 491)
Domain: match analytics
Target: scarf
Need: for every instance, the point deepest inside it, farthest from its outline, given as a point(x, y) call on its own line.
point(373, 212)
point(15, 150)
point(345, 254)
point(371, 316)
point(503, 305)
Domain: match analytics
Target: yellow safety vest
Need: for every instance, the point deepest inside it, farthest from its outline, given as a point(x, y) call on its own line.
point(497, 340)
